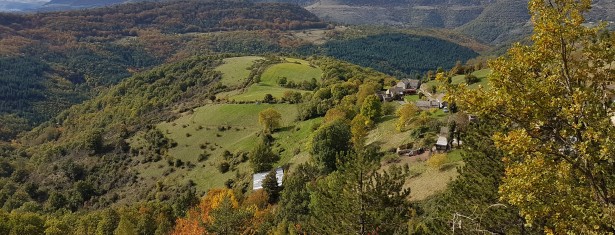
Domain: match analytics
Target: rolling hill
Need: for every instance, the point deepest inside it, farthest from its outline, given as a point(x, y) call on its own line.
point(494, 22)
point(56, 59)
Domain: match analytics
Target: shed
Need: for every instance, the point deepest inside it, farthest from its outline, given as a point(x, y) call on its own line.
point(442, 143)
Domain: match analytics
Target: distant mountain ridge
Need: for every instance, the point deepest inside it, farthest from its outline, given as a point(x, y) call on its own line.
point(491, 21)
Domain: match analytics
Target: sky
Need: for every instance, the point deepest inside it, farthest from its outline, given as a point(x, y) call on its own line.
point(23, 1)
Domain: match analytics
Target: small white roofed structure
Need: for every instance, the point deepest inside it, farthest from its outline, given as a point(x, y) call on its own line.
point(257, 179)
point(442, 143)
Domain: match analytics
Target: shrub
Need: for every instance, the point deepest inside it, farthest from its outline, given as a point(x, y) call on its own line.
point(229, 183)
point(437, 160)
point(471, 79)
point(223, 167)
point(203, 157)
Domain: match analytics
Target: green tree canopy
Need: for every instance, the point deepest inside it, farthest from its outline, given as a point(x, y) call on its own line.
point(359, 199)
point(371, 107)
point(328, 142)
point(552, 100)
point(270, 185)
point(269, 119)
point(262, 158)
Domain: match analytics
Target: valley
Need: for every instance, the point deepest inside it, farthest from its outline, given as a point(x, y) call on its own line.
point(307, 117)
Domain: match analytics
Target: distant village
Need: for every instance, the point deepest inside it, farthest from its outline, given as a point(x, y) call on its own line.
point(407, 87)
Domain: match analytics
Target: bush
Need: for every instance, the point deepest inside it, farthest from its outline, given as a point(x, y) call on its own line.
point(471, 79)
point(229, 183)
point(203, 157)
point(388, 108)
point(437, 160)
point(178, 163)
point(269, 99)
point(223, 167)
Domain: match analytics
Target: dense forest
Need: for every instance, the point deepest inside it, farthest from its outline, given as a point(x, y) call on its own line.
point(414, 54)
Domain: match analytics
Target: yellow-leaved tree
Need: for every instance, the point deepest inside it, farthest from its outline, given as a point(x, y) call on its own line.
point(553, 100)
point(269, 119)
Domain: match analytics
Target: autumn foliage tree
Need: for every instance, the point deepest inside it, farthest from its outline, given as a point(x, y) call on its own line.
point(269, 119)
point(371, 107)
point(218, 212)
point(552, 100)
point(407, 114)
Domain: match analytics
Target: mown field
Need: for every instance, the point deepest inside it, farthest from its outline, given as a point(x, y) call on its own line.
point(294, 70)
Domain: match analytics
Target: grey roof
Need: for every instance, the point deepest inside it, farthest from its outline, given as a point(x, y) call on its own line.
point(427, 104)
point(411, 83)
point(396, 90)
point(257, 179)
point(442, 141)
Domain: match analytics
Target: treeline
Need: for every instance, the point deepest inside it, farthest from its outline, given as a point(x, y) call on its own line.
point(168, 17)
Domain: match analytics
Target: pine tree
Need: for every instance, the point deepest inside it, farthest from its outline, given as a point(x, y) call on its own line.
point(360, 199)
point(270, 185)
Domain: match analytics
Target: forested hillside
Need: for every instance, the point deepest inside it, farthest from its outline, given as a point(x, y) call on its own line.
point(54, 60)
point(495, 22)
point(414, 54)
point(157, 129)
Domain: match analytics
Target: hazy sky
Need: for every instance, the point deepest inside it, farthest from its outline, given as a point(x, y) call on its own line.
point(19, 5)
point(24, 1)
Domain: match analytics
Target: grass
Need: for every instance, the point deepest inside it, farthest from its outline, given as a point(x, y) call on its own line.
point(480, 74)
point(257, 92)
point(411, 98)
point(430, 181)
point(294, 140)
point(201, 126)
point(425, 181)
point(386, 135)
point(236, 69)
point(296, 72)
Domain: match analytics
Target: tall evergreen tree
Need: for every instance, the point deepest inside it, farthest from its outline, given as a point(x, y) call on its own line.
point(360, 199)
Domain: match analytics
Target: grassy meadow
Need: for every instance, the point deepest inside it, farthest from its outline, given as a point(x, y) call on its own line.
point(198, 132)
point(295, 70)
point(235, 70)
